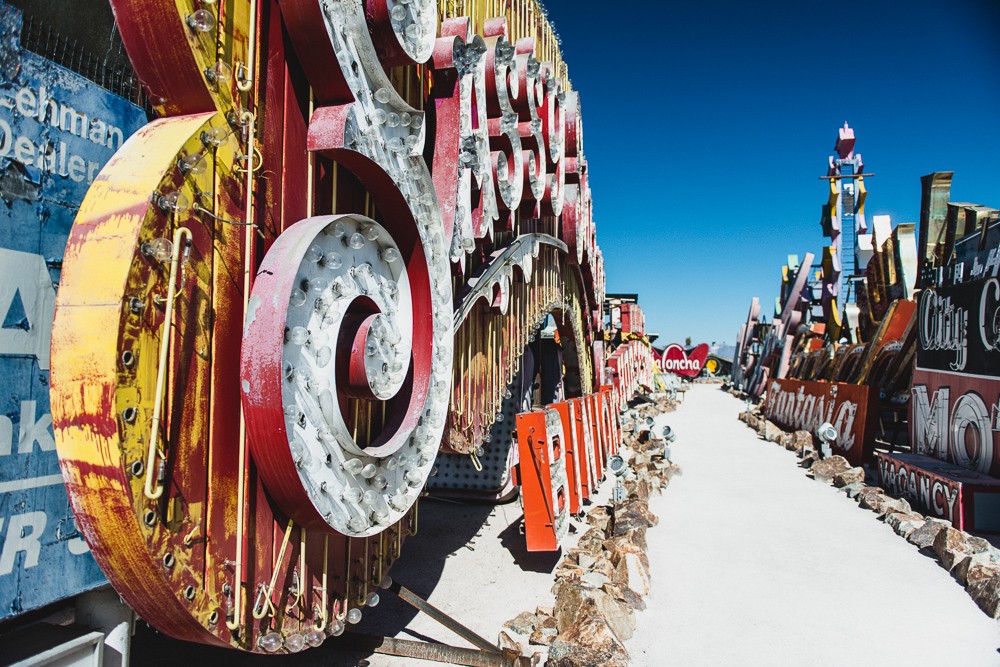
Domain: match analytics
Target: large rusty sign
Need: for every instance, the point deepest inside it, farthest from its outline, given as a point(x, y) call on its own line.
point(806, 405)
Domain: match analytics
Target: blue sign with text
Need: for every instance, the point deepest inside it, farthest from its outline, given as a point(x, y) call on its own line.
point(57, 130)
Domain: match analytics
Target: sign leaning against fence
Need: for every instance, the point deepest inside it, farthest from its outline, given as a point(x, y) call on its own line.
point(57, 129)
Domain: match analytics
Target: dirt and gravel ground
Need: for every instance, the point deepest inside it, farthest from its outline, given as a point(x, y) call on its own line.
point(753, 563)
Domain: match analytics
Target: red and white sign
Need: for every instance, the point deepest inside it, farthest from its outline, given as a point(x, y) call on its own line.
point(676, 360)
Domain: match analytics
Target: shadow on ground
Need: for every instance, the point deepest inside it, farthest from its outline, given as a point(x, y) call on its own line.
point(445, 529)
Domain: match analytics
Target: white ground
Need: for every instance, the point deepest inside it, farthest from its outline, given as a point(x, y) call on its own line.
point(753, 563)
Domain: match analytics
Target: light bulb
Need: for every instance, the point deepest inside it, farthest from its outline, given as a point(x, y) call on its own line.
point(297, 297)
point(215, 136)
point(390, 255)
point(358, 524)
point(336, 629)
point(201, 20)
point(318, 284)
point(386, 582)
point(298, 335)
point(413, 477)
point(314, 253)
point(354, 616)
point(162, 250)
point(333, 260)
point(221, 74)
point(405, 119)
point(370, 497)
point(382, 95)
point(357, 241)
point(398, 13)
point(173, 201)
point(369, 471)
point(416, 122)
point(378, 116)
point(270, 642)
point(372, 600)
point(353, 466)
point(392, 119)
point(314, 638)
point(292, 412)
point(194, 164)
point(379, 481)
point(295, 642)
point(352, 494)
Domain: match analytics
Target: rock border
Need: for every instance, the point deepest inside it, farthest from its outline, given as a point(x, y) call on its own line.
point(971, 560)
point(601, 582)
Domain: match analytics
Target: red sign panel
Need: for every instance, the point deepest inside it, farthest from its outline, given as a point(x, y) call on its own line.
point(942, 490)
point(676, 360)
point(954, 417)
point(805, 405)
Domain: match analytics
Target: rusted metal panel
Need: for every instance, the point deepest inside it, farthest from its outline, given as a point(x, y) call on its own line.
point(805, 405)
point(544, 485)
point(57, 130)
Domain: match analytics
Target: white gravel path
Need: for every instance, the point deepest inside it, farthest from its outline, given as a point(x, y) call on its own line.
point(753, 563)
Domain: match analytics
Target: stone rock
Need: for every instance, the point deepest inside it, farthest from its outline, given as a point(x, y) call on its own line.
point(573, 600)
point(600, 518)
point(880, 503)
point(985, 592)
point(894, 518)
point(591, 540)
point(505, 641)
point(585, 560)
point(769, 431)
point(951, 546)
point(963, 566)
point(625, 595)
point(978, 544)
point(568, 571)
point(568, 654)
point(908, 526)
point(828, 468)
point(595, 579)
point(809, 460)
point(803, 439)
point(542, 636)
point(785, 440)
point(591, 632)
point(630, 515)
point(523, 624)
point(637, 569)
point(923, 537)
point(977, 572)
point(852, 490)
point(852, 476)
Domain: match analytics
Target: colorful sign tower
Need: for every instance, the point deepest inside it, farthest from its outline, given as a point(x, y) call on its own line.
point(843, 222)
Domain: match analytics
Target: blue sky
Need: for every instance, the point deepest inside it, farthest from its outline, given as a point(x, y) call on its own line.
point(707, 124)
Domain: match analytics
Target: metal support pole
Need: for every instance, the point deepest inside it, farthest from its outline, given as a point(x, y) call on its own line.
point(420, 604)
point(436, 652)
